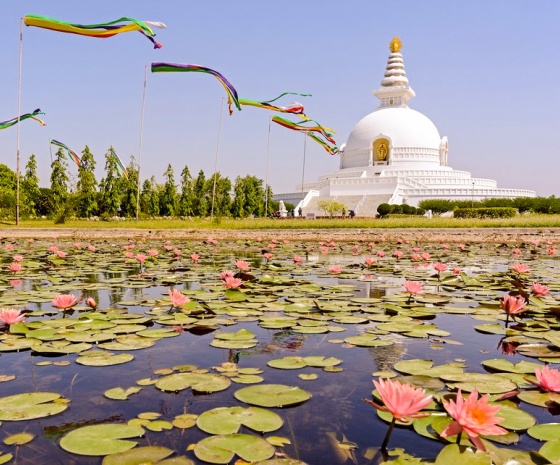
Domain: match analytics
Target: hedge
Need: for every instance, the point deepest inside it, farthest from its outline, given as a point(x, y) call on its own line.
point(492, 212)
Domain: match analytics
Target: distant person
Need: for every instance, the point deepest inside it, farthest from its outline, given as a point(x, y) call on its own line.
point(344, 212)
point(351, 214)
point(300, 211)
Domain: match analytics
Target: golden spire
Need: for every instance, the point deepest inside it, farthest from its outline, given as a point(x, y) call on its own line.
point(395, 45)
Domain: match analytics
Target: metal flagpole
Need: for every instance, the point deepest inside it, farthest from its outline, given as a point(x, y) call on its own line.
point(140, 143)
point(216, 161)
point(303, 169)
point(18, 171)
point(266, 172)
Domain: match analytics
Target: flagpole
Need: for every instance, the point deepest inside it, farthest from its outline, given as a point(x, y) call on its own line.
point(303, 169)
point(216, 160)
point(266, 172)
point(18, 171)
point(140, 142)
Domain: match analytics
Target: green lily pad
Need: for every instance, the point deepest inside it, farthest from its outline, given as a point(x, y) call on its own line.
point(98, 440)
point(155, 455)
point(287, 363)
point(483, 383)
point(545, 432)
point(551, 450)
point(228, 420)
point(272, 395)
point(29, 406)
point(119, 393)
point(103, 359)
point(222, 449)
point(18, 439)
point(200, 382)
point(541, 399)
point(515, 419)
point(308, 376)
point(455, 453)
point(500, 364)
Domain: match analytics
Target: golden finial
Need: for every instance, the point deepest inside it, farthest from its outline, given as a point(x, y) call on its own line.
point(395, 45)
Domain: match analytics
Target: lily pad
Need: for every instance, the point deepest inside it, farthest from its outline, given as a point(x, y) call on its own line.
point(200, 382)
point(119, 393)
point(18, 439)
point(228, 420)
point(155, 455)
point(104, 359)
point(98, 440)
point(29, 406)
point(222, 449)
point(545, 432)
point(272, 395)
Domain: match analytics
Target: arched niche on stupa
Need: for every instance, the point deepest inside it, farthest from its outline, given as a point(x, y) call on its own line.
point(381, 150)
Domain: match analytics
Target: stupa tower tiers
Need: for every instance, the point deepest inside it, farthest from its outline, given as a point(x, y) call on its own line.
point(395, 91)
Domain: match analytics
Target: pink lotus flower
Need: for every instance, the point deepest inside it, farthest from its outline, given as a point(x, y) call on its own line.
point(380, 253)
point(53, 248)
point(9, 247)
point(77, 245)
point(177, 298)
point(474, 416)
point(11, 315)
point(18, 258)
point(415, 249)
point(195, 257)
point(14, 267)
point(91, 303)
point(425, 256)
point(369, 261)
point(15, 282)
point(513, 305)
point(141, 257)
point(415, 256)
point(548, 379)
point(520, 268)
point(153, 253)
point(456, 270)
point(226, 274)
point(271, 245)
point(242, 265)
point(91, 248)
point(324, 249)
point(539, 290)
point(335, 269)
point(398, 254)
point(168, 248)
point(212, 241)
point(267, 256)
point(439, 267)
point(445, 246)
point(129, 255)
point(232, 283)
point(403, 401)
point(461, 246)
point(551, 251)
point(297, 260)
point(355, 247)
point(177, 252)
point(61, 254)
point(64, 301)
point(413, 287)
point(516, 252)
point(535, 242)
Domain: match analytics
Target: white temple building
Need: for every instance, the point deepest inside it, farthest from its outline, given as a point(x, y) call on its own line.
point(395, 155)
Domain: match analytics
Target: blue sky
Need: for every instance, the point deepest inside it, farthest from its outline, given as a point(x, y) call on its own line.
point(484, 72)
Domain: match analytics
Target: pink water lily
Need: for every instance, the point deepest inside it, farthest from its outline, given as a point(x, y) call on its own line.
point(335, 269)
point(226, 274)
point(11, 315)
point(53, 248)
point(369, 261)
point(539, 290)
point(439, 267)
point(242, 265)
point(513, 305)
point(153, 253)
point(548, 379)
point(413, 287)
point(61, 254)
point(15, 267)
point(195, 257)
point(141, 257)
point(474, 416)
point(177, 298)
point(64, 301)
point(129, 255)
point(398, 254)
point(91, 303)
point(297, 260)
point(232, 283)
point(267, 256)
point(520, 268)
point(18, 258)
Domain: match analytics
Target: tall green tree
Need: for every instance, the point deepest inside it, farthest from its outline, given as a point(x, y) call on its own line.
point(222, 194)
point(7, 191)
point(110, 186)
point(186, 199)
point(149, 199)
point(30, 188)
point(271, 205)
point(239, 199)
point(248, 197)
point(59, 179)
point(168, 196)
point(87, 186)
point(130, 189)
point(201, 205)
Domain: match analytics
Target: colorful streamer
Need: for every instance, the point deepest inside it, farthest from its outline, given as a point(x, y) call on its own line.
point(120, 164)
point(71, 154)
point(230, 90)
point(332, 149)
point(33, 115)
point(102, 30)
point(294, 108)
point(325, 132)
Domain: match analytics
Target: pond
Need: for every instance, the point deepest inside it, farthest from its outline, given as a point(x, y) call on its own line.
point(167, 358)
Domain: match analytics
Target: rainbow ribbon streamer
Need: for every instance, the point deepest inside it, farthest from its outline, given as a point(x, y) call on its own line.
point(332, 149)
point(71, 154)
point(33, 115)
point(120, 164)
point(294, 108)
point(102, 30)
point(176, 67)
point(325, 132)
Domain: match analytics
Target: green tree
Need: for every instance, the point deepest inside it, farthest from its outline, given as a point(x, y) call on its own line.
point(271, 205)
point(201, 206)
point(130, 189)
point(168, 196)
point(222, 194)
point(7, 192)
point(30, 188)
point(331, 207)
point(59, 180)
point(149, 199)
point(110, 186)
point(239, 199)
point(87, 186)
point(186, 200)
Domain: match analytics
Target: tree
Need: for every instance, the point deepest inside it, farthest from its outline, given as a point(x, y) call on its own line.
point(87, 186)
point(149, 199)
point(200, 204)
point(271, 205)
point(129, 189)
point(59, 180)
point(331, 207)
point(222, 194)
point(239, 198)
point(30, 187)
point(168, 197)
point(7, 191)
point(110, 186)
point(186, 200)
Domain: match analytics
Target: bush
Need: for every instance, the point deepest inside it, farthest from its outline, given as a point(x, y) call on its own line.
point(384, 209)
point(492, 212)
point(396, 209)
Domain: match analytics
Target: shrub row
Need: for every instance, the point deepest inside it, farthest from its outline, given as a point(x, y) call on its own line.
point(385, 209)
point(492, 212)
point(545, 205)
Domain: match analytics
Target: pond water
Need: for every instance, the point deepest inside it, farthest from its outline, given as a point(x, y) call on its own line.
point(315, 308)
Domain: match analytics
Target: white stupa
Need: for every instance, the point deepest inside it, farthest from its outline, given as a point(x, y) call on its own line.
point(395, 155)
